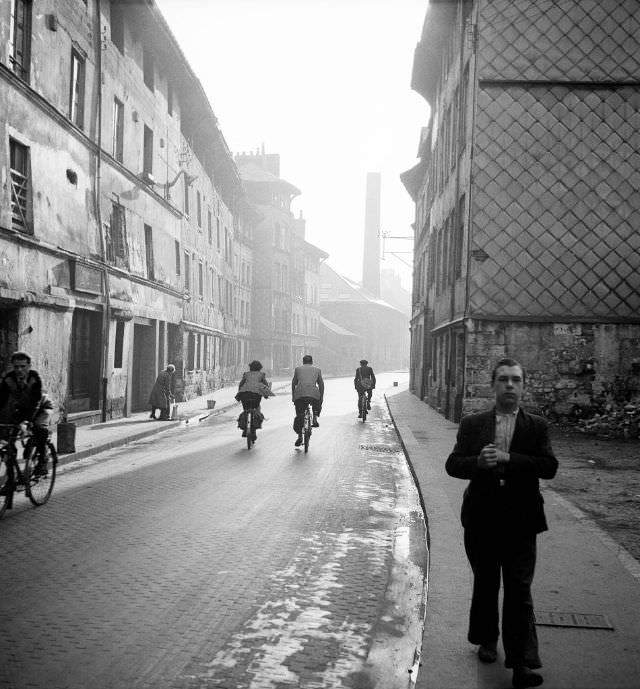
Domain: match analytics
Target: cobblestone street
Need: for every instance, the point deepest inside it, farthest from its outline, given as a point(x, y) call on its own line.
point(185, 560)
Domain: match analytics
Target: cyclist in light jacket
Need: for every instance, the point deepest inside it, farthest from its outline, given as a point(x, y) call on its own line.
point(307, 387)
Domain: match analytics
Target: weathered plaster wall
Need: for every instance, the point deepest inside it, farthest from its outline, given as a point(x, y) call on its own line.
point(572, 369)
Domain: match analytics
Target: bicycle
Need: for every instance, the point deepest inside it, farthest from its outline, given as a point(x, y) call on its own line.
point(363, 401)
point(36, 476)
point(250, 427)
point(250, 421)
point(307, 424)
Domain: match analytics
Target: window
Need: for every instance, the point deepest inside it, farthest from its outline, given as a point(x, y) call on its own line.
point(186, 196)
point(212, 286)
point(169, 98)
point(191, 351)
point(20, 187)
point(201, 279)
point(76, 94)
point(21, 38)
point(118, 349)
point(117, 25)
point(147, 168)
point(218, 240)
point(199, 208)
point(117, 250)
point(147, 68)
point(187, 271)
point(118, 130)
point(210, 226)
point(148, 245)
point(178, 271)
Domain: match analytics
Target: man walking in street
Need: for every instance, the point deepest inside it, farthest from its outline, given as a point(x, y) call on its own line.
point(503, 453)
point(307, 387)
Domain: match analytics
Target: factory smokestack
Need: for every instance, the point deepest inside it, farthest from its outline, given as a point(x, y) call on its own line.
point(371, 254)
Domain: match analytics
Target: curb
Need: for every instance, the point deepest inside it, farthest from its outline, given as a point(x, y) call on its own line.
point(194, 419)
point(126, 439)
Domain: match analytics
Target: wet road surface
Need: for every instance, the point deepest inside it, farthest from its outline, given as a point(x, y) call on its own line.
point(187, 561)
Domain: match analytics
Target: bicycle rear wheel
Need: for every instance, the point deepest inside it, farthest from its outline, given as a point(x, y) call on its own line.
point(250, 430)
point(363, 407)
point(307, 429)
point(40, 473)
point(5, 484)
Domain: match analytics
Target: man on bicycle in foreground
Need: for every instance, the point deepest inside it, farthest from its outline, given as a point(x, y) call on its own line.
point(22, 399)
point(365, 381)
point(307, 387)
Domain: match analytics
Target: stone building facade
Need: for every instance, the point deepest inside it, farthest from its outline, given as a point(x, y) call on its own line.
point(124, 242)
point(285, 319)
point(527, 202)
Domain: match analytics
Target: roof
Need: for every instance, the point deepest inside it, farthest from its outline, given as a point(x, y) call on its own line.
point(351, 291)
point(335, 328)
point(252, 172)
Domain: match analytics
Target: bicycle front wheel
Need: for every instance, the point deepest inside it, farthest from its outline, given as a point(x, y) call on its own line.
point(40, 473)
point(5, 484)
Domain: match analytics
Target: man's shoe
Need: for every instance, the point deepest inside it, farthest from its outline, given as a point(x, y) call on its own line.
point(523, 677)
point(315, 423)
point(488, 653)
point(152, 416)
point(298, 441)
point(368, 405)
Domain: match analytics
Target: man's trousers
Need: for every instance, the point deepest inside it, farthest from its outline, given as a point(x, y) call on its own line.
point(491, 554)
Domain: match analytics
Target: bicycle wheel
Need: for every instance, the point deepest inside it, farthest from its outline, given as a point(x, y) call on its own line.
point(307, 429)
point(363, 407)
point(5, 483)
point(250, 431)
point(40, 473)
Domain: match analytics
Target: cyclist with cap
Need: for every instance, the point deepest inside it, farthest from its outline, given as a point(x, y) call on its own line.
point(365, 381)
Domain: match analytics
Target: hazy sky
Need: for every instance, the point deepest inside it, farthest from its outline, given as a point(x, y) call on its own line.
point(326, 84)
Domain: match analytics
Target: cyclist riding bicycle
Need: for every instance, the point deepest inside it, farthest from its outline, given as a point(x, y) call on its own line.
point(252, 388)
point(22, 399)
point(307, 387)
point(364, 381)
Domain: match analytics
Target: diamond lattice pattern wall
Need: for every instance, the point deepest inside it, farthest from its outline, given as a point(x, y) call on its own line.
point(563, 40)
point(556, 195)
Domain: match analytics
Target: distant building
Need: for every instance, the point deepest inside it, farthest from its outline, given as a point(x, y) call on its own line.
point(527, 202)
point(383, 328)
point(392, 291)
point(340, 349)
point(285, 320)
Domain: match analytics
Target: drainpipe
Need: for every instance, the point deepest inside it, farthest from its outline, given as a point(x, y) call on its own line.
point(106, 312)
point(474, 18)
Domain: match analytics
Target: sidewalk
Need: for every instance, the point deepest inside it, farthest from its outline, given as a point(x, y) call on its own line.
point(96, 438)
point(580, 571)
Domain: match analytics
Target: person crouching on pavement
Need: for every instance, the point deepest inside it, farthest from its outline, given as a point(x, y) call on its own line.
point(252, 388)
point(503, 453)
point(161, 396)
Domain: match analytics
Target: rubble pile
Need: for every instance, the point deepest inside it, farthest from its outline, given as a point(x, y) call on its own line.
point(616, 421)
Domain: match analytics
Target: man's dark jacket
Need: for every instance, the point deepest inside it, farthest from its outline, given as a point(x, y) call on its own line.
point(517, 506)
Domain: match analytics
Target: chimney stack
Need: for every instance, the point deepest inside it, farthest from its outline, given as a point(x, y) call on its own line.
point(371, 254)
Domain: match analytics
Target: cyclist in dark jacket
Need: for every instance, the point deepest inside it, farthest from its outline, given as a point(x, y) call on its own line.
point(365, 380)
point(22, 398)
